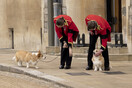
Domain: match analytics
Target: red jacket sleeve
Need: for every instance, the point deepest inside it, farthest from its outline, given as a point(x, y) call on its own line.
point(75, 30)
point(59, 34)
point(109, 29)
point(106, 36)
point(104, 43)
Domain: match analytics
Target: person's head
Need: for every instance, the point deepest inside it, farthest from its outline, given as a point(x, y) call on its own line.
point(92, 25)
point(60, 22)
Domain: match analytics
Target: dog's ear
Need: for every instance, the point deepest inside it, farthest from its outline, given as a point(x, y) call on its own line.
point(39, 51)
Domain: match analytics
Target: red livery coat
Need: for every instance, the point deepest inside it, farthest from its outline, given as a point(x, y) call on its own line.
point(68, 25)
point(101, 29)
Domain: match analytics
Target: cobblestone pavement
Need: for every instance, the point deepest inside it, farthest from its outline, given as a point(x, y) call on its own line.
point(12, 80)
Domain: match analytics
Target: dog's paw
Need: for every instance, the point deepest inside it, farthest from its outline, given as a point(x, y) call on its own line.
point(100, 69)
point(95, 69)
point(27, 67)
point(19, 64)
point(36, 67)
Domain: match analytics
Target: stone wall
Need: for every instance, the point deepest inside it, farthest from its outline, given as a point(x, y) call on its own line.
point(44, 25)
point(130, 27)
point(79, 9)
point(24, 17)
point(127, 23)
point(5, 39)
point(24, 23)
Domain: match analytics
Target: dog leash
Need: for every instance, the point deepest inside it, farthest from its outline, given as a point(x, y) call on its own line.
point(97, 45)
point(49, 60)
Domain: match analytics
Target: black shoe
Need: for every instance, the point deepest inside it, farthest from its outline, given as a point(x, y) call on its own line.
point(61, 67)
point(107, 68)
point(67, 67)
point(89, 68)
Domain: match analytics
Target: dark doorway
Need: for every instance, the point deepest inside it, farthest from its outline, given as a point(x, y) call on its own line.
point(11, 35)
point(114, 15)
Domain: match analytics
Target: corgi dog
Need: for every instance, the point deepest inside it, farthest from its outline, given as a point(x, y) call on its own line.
point(98, 61)
point(24, 56)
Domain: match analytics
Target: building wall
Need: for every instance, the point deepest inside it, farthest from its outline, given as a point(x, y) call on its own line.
point(129, 33)
point(127, 23)
point(27, 17)
point(79, 9)
point(24, 16)
point(124, 20)
point(44, 9)
point(5, 41)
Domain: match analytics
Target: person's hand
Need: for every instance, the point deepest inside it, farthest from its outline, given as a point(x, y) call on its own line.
point(70, 51)
point(98, 53)
point(91, 32)
point(65, 45)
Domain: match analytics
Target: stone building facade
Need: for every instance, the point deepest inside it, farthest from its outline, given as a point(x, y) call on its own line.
point(127, 23)
point(20, 24)
point(24, 23)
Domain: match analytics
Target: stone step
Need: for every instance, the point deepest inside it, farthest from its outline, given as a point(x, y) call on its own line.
point(112, 57)
point(114, 50)
point(115, 54)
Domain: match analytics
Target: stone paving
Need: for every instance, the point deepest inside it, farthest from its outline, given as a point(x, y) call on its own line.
point(120, 75)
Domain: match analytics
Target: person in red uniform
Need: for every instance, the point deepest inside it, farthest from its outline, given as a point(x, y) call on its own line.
point(98, 27)
point(67, 32)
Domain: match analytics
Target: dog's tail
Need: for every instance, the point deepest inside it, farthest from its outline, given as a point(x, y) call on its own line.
point(14, 58)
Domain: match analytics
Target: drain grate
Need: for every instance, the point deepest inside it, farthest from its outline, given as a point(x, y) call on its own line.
point(114, 73)
point(78, 74)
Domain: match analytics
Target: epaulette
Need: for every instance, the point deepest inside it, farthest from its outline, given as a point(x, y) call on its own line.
point(66, 23)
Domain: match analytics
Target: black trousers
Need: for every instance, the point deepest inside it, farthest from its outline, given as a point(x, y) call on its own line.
point(93, 40)
point(65, 58)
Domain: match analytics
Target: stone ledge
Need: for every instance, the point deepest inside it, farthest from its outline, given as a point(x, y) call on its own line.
point(113, 57)
point(55, 81)
point(114, 50)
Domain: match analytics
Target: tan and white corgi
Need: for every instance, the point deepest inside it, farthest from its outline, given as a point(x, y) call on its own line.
point(98, 61)
point(25, 56)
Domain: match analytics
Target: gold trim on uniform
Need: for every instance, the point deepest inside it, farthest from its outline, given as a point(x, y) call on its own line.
point(103, 46)
point(66, 23)
point(60, 38)
point(71, 43)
